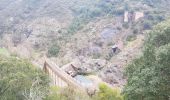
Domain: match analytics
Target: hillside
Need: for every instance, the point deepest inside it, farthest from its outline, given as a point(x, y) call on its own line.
point(84, 32)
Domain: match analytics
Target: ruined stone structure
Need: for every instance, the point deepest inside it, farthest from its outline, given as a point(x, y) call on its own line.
point(132, 16)
point(126, 18)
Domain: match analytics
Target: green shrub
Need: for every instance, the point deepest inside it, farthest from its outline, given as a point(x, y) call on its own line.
point(135, 31)
point(76, 25)
point(66, 94)
point(53, 94)
point(107, 93)
point(131, 38)
point(54, 50)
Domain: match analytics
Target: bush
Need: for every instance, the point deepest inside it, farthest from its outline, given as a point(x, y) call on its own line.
point(96, 12)
point(125, 25)
point(107, 93)
point(131, 38)
point(66, 94)
point(147, 25)
point(135, 31)
point(54, 94)
point(54, 50)
point(76, 25)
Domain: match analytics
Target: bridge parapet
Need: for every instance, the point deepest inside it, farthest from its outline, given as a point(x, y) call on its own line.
point(59, 77)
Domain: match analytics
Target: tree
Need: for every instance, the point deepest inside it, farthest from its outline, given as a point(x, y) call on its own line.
point(148, 75)
point(17, 77)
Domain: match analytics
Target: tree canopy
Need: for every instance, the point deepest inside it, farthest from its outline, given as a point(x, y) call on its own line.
point(149, 75)
point(19, 80)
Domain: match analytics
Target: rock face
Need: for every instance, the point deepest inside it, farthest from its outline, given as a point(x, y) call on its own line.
point(113, 75)
point(108, 34)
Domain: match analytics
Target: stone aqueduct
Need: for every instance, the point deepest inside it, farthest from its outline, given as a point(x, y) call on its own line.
point(59, 77)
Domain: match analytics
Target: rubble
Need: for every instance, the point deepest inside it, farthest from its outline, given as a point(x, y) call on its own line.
point(113, 75)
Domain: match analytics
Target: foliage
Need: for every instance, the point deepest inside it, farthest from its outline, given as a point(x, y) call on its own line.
point(54, 50)
point(160, 35)
point(107, 93)
point(66, 94)
point(54, 94)
point(148, 76)
point(147, 25)
point(17, 77)
point(76, 25)
point(131, 37)
point(86, 13)
point(135, 31)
